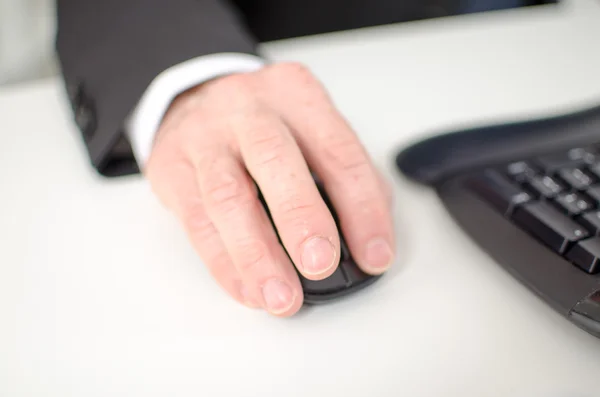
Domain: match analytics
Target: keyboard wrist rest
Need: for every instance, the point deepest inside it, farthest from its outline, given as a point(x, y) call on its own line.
point(433, 160)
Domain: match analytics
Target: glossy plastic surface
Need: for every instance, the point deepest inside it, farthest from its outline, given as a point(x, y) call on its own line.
point(347, 279)
point(434, 159)
point(586, 313)
point(445, 163)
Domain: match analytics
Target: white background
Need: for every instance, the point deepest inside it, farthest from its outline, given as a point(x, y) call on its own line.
point(26, 40)
point(101, 294)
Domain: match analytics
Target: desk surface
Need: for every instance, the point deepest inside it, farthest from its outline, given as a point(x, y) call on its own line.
point(101, 295)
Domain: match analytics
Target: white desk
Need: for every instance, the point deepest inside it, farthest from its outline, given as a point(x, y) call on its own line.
point(101, 295)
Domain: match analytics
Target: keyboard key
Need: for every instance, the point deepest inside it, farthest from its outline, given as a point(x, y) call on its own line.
point(570, 158)
point(354, 275)
point(586, 255)
point(591, 154)
point(576, 177)
point(591, 221)
point(545, 186)
point(594, 192)
point(586, 154)
point(521, 171)
point(595, 169)
point(593, 149)
point(499, 191)
point(574, 203)
point(336, 281)
point(549, 225)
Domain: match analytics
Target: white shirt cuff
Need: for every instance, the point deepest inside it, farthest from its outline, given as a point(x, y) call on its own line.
point(145, 120)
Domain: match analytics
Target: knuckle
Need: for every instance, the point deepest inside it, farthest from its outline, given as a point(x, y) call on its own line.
point(373, 210)
point(295, 207)
point(292, 71)
point(293, 67)
point(197, 223)
point(250, 118)
point(370, 207)
point(252, 254)
point(346, 154)
point(219, 265)
point(225, 193)
point(297, 68)
point(236, 91)
point(235, 84)
point(267, 147)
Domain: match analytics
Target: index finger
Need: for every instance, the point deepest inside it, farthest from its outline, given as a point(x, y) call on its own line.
point(350, 178)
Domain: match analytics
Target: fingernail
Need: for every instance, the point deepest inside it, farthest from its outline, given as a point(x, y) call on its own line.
point(318, 256)
point(278, 296)
point(379, 254)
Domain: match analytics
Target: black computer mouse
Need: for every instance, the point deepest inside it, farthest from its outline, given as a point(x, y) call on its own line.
point(348, 277)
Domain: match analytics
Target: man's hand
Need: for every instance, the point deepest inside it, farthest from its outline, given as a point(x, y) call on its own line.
point(269, 127)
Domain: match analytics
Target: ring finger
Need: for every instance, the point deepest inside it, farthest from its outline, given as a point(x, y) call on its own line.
point(233, 207)
point(175, 184)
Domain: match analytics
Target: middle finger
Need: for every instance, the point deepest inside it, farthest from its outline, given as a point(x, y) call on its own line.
point(305, 225)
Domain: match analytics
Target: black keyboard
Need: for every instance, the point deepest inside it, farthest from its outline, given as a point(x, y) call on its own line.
point(528, 194)
point(554, 198)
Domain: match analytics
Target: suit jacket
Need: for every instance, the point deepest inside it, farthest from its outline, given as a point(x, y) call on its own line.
point(110, 50)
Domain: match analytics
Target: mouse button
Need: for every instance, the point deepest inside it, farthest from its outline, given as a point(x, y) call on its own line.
point(344, 251)
point(332, 283)
point(354, 274)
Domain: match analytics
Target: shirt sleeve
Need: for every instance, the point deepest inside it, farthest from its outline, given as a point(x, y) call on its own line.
point(146, 117)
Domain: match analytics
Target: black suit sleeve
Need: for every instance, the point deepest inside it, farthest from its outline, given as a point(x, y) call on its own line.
point(110, 51)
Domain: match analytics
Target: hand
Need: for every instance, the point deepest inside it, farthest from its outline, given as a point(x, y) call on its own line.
point(268, 127)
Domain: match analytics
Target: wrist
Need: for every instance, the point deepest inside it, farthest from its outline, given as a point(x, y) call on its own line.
point(189, 100)
point(172, 89)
